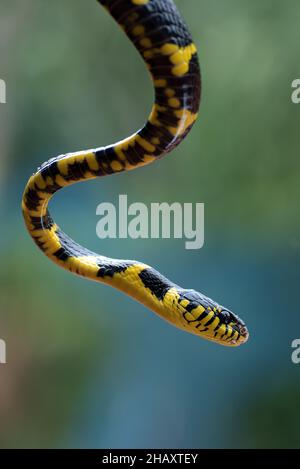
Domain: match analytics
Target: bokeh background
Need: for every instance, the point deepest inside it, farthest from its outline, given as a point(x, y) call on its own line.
point(87, 366)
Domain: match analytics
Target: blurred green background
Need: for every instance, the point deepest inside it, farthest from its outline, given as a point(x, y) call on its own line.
point(87, 366)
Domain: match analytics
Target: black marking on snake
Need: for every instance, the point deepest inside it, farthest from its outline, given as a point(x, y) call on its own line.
point(226, 332)
point(77, 170)
point(190, 306)
point(32, 199)
point(210, 321)
point(40, 223)
point(104, 157)
point(155, 282)
point(110, 270)
point(52, 188)
point(49, 169)
point(61, 254)
point(73, 249)
point(201, 316)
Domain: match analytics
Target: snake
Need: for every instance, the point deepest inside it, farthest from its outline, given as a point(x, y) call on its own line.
point(162, 38)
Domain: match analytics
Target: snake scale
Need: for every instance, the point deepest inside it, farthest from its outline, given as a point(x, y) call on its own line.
point(160, 35)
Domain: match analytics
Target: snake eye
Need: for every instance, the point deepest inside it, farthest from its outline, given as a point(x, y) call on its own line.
point(226, 317)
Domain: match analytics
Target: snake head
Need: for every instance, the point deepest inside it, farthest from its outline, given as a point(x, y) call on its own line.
point(206, 318)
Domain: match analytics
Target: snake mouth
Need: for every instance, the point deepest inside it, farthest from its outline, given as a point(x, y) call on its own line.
point(242, 338)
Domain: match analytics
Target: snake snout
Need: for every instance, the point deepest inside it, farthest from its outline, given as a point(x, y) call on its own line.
point(237, 324)
point(212, 320)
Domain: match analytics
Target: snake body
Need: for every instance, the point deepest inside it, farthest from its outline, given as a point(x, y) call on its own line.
point(159, 33)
